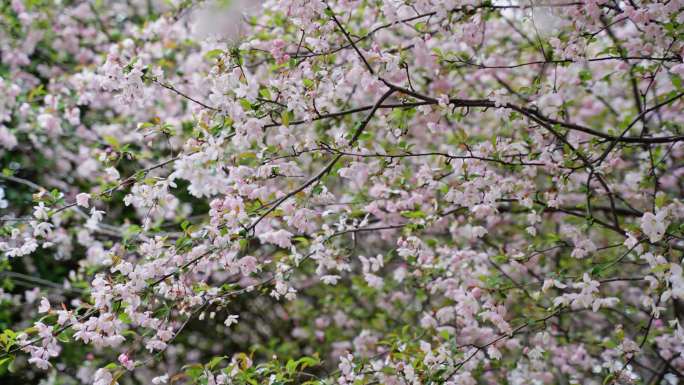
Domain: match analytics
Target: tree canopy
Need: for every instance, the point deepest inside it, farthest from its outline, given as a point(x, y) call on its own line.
point(346, 192)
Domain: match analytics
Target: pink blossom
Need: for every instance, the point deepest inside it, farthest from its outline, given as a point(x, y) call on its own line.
point(82, 200)
point(44, 305)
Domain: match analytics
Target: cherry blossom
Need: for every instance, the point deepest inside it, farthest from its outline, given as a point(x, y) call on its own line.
point(342, 192)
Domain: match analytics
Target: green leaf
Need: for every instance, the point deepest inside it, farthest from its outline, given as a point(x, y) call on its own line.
point(247, 155)
point(286, 118)
point(194, 371)
point(214, 53)
point(215, 361)
point(245, 104)
point(413, 214)
point(317, 189)
point(609, 379)
point(6, 362)
point(305, 362)
point(112, 141)
point(124, 318)
point(585, 75)
point(184, 225)
point(291, 366)
point(265, 93)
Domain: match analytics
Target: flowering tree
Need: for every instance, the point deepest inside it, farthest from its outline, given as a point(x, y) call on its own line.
point(342, 192)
